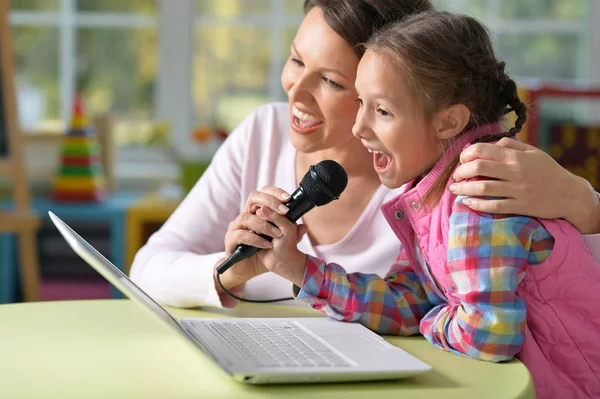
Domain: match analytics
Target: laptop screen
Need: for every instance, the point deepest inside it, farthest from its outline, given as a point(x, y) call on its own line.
point(117, 278)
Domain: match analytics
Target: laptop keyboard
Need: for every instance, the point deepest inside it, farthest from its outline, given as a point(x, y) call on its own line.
point(277, 345)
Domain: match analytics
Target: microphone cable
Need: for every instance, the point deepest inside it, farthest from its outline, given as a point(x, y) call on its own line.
point(231, 294)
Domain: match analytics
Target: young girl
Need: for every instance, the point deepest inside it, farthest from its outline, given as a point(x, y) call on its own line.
point(486, 286)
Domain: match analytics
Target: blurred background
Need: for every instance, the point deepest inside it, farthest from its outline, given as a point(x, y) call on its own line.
point(164, 81)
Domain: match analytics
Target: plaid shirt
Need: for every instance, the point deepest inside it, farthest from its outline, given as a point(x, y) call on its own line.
point(487, 258)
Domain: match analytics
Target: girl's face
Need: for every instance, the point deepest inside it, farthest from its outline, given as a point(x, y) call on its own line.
point(390, 124)
point(319, 81)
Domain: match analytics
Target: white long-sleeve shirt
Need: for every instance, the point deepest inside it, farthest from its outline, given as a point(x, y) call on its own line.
point(176, 265)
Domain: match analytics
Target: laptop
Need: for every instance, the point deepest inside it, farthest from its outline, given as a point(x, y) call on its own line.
point(268, 350)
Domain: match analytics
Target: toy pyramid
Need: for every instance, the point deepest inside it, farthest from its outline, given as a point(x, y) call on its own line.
point(80, 177)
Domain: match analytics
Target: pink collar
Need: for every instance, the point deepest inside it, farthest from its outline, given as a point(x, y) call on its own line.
point(452, 151)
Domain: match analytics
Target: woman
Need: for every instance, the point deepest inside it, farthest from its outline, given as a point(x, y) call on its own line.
point(275, 147)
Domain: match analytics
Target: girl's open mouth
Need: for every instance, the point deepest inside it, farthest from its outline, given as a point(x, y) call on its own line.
point(382, 161)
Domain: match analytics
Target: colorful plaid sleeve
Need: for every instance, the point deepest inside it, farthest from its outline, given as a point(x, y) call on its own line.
point(394, 305)
point(487, 259)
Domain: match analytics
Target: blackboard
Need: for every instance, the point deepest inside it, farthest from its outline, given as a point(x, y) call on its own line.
point(3, 127)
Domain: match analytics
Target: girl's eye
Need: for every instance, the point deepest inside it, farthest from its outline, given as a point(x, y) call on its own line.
point(296, 61)
point(382, 112)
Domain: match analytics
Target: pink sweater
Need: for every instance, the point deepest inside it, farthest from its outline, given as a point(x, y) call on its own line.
point(501, 285)
point(176, 265)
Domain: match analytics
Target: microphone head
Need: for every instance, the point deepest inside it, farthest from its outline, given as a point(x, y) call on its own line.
point(324, 182)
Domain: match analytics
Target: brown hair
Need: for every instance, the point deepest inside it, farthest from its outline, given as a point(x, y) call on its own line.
point(448, 59)
point(356, 20)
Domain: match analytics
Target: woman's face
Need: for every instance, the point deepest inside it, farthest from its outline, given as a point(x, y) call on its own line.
point(319, 81)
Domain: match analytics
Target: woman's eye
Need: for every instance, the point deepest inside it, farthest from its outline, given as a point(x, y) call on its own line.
point(332, 84)
point(296, 61)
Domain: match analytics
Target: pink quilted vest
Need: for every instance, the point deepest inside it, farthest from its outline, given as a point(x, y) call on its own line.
point(562, 295)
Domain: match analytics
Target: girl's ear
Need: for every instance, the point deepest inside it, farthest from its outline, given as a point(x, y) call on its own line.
point(451, 121)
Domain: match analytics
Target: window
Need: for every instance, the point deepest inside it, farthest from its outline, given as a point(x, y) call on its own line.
point(105, 49)
point(541, 39)
point(37, 75)
point(240, 48)
point(197, 63)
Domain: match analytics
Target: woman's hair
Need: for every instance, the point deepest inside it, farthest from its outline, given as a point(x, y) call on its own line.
point(449, 59)
point(356, 20)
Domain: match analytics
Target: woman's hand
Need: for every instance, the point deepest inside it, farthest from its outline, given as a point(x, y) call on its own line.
point(244, 229)
point(529, 182)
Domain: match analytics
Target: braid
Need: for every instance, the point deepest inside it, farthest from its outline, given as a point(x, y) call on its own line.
point(515, 104)
point(509, 95)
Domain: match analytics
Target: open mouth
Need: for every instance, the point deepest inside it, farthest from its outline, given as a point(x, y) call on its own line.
point(381, 161)
point(303, 122)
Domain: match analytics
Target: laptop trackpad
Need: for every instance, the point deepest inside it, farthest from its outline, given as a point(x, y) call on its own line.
point(326, 328)
point(343, 335)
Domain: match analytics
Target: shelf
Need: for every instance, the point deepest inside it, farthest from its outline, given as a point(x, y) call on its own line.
point(18, 221)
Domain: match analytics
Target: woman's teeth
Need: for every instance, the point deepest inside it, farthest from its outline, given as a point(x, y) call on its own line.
point(302, 116)
point(304, 120)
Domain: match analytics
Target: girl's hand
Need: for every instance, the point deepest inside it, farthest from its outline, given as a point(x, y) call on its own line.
point(529, 182)
point(284, 258)
point(271, 197)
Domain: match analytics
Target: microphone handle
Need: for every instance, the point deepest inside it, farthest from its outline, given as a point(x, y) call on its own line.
point(298, 205)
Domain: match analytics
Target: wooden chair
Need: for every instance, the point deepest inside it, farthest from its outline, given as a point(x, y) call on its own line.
point(19, 220)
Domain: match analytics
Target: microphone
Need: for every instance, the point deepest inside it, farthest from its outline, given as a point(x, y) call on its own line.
point(323, 183)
